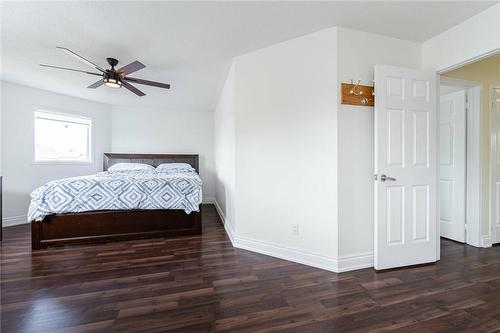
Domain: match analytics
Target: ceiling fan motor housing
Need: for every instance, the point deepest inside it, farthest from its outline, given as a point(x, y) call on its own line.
point(112, 75)
point(112, 62)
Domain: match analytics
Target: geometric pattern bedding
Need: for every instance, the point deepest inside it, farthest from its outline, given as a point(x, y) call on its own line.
point(125, 190)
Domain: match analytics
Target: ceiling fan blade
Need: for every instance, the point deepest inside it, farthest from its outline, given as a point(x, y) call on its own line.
point(130, 68)
point(148, 83)
point(132, 88)
point(82, 59)
point(71, 69)
point(96, 85)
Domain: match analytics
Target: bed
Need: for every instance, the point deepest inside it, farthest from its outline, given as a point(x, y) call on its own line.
point(97, 226)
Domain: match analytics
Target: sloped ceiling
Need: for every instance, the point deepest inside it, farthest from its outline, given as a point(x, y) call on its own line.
point(187, 44)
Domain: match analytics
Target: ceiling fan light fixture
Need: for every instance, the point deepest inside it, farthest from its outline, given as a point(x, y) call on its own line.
point(112, 83)
point(113, 78)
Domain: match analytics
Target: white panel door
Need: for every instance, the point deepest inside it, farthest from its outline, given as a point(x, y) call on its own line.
point(406, 167)
point(452, 162)
point(495, 152)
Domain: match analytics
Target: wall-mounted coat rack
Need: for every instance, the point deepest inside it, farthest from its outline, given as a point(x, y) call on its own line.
point(357, 94)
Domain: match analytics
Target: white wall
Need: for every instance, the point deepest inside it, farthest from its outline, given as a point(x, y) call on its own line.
point(225, 158)
point(301, 156)
point(148, 130)
point(1, 113)
point(358, 52)
point(282, 101)
point(286, 141)
point(118, 129)
point(476, 36)
point(21, 175)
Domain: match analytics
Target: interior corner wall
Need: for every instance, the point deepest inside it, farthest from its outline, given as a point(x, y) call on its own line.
point(286, 149)
point(358, 52)
point(476, 36)
point(1, 112)
point(224, 151)
point(20, 175)
point(156, 130)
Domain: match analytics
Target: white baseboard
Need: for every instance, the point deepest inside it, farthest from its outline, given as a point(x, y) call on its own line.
point(486, 241)
point(22, 219)
point(356, 261)
point(14, 220)
point(278, 251)
point(337, 265)
point(219, 211)
point(208, 200)
point(229, 230)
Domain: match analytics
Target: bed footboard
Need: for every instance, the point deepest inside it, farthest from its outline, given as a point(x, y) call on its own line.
point(107, 226)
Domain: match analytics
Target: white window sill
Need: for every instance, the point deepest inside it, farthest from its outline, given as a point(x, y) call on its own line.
point(62, 163)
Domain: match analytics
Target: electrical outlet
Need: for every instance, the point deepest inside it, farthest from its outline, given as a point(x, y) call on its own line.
point(295, 229)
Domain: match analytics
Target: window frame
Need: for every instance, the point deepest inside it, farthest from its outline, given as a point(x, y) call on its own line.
point(90, 144)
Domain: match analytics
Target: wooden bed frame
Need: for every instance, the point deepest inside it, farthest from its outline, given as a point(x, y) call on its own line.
point(115, 225)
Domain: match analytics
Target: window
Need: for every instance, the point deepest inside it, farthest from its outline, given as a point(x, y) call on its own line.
point(62, 138)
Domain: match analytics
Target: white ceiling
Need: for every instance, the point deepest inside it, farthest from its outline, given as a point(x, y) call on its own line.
point(186, 44)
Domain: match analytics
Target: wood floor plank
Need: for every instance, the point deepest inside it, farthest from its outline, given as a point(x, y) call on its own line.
point(203, 284)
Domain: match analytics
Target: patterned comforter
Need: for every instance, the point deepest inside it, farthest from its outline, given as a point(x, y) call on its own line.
point(173, 189)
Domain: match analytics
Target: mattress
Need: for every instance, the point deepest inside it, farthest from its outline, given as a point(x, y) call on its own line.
point(124, 190)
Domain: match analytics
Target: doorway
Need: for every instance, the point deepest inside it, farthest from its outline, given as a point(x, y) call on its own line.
point(469, 158)
point(460, 160)
point(494, 225)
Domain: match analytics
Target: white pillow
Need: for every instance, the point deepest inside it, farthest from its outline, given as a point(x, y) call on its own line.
point(130, 167)
point(171, 166)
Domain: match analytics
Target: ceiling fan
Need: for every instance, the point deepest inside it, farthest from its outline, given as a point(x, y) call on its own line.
point(114, 78)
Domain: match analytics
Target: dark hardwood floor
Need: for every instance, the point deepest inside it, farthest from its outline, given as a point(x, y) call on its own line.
point(203, 284)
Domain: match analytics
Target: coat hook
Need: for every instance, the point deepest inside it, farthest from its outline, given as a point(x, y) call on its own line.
point(353, 90)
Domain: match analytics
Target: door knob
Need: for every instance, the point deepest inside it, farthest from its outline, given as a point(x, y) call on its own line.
point(385, 178)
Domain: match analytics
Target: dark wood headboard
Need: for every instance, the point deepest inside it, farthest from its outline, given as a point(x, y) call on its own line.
point(152, 159)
